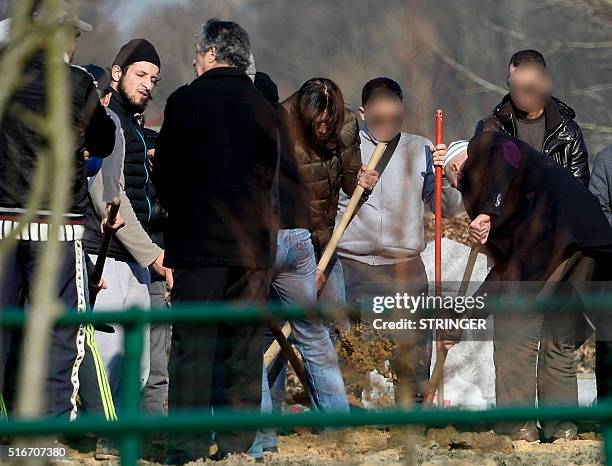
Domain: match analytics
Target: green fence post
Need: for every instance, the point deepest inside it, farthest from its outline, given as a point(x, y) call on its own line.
point(130, 443)
point(607, 438)
point(606, 427)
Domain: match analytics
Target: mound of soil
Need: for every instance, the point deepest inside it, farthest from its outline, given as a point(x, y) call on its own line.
point(361, 350)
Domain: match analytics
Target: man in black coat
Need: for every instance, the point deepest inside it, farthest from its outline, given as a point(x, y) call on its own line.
point(532, 217)
point(215, 161)
point(530, 114)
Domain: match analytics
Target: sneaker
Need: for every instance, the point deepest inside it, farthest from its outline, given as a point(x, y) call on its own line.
point(566, 431)
point(528, 432)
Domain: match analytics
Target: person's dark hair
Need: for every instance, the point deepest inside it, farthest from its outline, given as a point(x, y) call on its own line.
point(230, 41)
point(265, 85)
point(318, 97)
point(381, 85)
point(527, 56)
point(101, 78)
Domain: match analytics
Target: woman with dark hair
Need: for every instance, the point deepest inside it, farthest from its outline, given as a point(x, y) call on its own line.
point(327, 150)
point(326, 144)
point(319, 116)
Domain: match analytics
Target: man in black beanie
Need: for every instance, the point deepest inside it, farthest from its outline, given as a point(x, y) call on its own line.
point(135, 72)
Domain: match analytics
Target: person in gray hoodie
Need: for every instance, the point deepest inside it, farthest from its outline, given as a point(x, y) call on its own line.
point(601, 187)
point(601, 181)
point(380, 250)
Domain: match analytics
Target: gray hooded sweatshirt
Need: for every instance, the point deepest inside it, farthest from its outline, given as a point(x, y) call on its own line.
point(601, 181)
point(389, 226)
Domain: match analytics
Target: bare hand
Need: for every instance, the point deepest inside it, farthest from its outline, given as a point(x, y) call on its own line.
point(445, 345)
point(150, 157)
point(321, 280)
point(93, 288)
point(165, 272)
point(447, 338)
point(479, 229)
point(437, 154)
point(106, 226)
point(367, 178)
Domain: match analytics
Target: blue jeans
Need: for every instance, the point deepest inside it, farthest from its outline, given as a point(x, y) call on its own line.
point(334, 291)
point(294, 282)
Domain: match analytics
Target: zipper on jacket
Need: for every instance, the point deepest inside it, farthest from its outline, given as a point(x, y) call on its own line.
point(555, 131)
point(144, 188)
point(381, 243)
point(514, 130)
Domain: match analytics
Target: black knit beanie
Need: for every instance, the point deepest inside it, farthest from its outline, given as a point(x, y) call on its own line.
point(137, 50)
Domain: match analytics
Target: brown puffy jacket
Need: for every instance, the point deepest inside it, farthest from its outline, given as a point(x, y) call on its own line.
point(326, 174)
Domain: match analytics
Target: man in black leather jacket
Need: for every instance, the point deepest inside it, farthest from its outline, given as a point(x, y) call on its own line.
point(531, 114)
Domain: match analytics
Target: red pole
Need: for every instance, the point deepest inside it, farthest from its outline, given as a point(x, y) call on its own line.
point(436, 382)
point(438, 213)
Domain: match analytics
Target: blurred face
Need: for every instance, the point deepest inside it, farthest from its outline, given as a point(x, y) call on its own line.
point(530, 87)
point(454, 169)
point(383, 116)
point(136, 83)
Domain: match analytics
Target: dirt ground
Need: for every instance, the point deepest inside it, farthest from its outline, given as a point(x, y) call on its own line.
point(455, 228)
point(436, 447)
point(411, 446)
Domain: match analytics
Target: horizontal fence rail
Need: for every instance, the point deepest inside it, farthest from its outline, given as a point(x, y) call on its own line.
point(212, 313)
point(132, 424)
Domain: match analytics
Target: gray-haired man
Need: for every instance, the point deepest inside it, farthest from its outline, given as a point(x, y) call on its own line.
point(213, 170)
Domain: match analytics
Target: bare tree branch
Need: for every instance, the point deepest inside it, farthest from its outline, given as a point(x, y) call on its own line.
point(465, 71)
point(45, 304)
point(22, 45)
point(554, 44)
point(585, 9)
point(596, 128)
point(592, 92)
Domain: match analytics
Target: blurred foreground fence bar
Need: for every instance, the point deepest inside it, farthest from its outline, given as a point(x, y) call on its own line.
point(132, 425)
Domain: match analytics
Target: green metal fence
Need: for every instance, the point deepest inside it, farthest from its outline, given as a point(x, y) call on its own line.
point(130, 426)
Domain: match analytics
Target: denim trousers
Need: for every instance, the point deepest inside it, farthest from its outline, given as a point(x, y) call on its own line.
point(294, 282)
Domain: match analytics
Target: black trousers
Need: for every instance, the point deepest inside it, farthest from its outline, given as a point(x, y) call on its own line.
point(603, 368)
point(74, 366)
point(216, 366)
point(155, 391)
